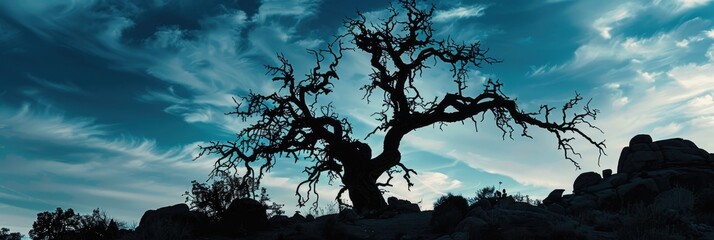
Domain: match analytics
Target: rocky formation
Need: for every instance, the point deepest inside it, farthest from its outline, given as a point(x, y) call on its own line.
point(402, 206)
point(645, 170)
point(242, 217)
point(658, 192)
point(172, 222)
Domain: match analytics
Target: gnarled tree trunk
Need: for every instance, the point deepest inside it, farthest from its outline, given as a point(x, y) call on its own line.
point(363, 190)
point(360, 178)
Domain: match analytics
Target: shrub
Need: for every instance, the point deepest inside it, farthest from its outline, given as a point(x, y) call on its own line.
point(494, 196)
point(326, 210)
point(214, 199)
point(451, 200)
point(69, 225)
point(485, 193)
point(5, 234)
point(449, 210)
point(98, 226)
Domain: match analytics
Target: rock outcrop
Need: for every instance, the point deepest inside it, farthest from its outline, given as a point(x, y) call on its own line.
point(402, 206)
point(671, 178)
point(172, 222)
point(645, 170)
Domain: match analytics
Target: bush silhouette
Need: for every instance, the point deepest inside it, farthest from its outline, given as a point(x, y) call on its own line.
point(62, 224)
point(214, 199)
point(5, 234)
point(448, 212)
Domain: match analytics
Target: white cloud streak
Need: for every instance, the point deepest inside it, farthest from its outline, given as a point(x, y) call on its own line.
point(459, 13)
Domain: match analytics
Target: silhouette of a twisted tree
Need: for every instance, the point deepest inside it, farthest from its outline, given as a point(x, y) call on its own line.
point(291, 123)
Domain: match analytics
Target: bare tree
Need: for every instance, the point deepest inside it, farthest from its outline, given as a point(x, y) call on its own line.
point(291, 123)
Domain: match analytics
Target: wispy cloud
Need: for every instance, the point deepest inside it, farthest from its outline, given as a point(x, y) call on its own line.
point(689, 4)
point(460, 12)
point(295, 8)
point(605, 24)
point(93, 168)
point(64, 87)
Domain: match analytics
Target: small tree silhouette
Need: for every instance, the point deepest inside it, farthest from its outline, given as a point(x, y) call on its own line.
point(55, 225)
point(293, 123)
point(5, 234)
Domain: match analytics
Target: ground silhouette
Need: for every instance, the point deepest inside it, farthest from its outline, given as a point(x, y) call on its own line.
point(661, 190)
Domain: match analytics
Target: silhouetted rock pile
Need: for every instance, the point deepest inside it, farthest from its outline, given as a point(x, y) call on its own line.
point(172, 222)
point(660, 191)
point(645, 170)
point(402, 206)
point(242, 217)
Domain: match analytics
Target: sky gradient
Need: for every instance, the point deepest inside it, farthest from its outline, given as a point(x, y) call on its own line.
point(103, 103)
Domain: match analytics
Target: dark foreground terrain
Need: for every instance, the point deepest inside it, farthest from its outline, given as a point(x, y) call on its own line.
point(661, 190)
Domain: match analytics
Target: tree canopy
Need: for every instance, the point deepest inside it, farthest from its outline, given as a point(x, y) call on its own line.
point(294, 123)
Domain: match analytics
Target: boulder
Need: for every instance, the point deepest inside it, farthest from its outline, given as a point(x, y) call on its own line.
point(606, 173)
point(638, 190)
point(641, 138)
point(555, 196)
point(242, 217)
point(172, 222)
point(585, 180)
point(642, 155)
point(297, 218)
point(608, 199)
point(616, 180)
point(402, 206)
point(622, 161)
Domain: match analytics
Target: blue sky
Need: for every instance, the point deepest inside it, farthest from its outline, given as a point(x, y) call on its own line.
point(102, 103)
